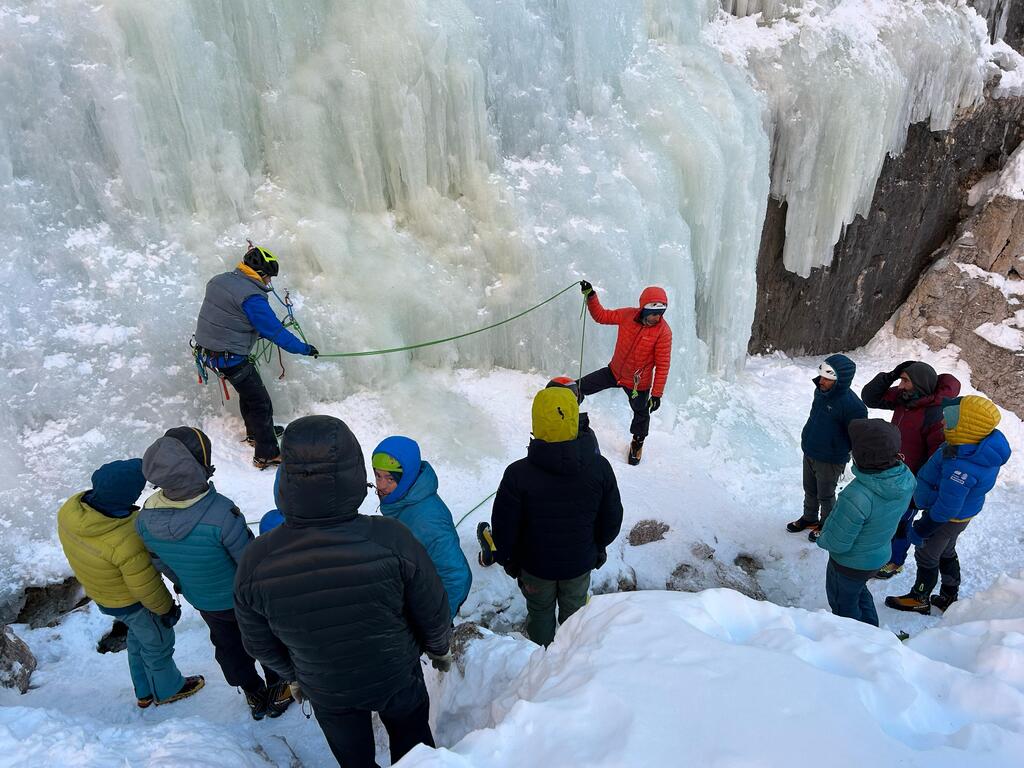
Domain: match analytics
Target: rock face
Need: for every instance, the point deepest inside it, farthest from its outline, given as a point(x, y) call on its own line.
point(43, 606)
point(916, 208)
point(973, 297)
point(16, 661)
point(647, 531)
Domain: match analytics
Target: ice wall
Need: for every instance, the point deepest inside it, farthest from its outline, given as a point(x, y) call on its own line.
point(844, 79)
point(421, 168)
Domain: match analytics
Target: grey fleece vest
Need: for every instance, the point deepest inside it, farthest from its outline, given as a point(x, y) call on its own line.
point(223, 325)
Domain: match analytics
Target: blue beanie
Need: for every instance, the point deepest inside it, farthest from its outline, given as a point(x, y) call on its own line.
point(406, 452)
point(116, 487)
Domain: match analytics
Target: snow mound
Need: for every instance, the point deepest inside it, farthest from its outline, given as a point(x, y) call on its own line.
point(656, 678)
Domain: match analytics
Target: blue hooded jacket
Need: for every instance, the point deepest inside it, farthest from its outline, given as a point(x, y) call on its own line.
point(416, 504)
point(826, 436)
point(953, 483)
point(858, 533)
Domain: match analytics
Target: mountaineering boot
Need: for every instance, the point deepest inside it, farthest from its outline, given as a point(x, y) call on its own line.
point(946, 597)
point(257, 701)
point(483, 535)
point(279, 698)
point(636, 450)
point(801, 525)
point(278, 431)
point(262, 464)
point(145, 701)
point(814, 534)
point(916, 600)
point(116, 639)
point(191, 687)
point(887, 571)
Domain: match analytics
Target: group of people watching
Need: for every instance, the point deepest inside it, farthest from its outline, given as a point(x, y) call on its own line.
point(336, 607)
point(917, 481)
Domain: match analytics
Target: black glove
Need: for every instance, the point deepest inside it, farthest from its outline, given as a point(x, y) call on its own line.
point(512, 569)
point(654, 404)
point(602, 558)
point(313, 352)
point(895, 372)
point(586, 288)
point(170, 618)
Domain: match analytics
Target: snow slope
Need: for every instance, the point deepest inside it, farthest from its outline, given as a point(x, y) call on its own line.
point(722, 469)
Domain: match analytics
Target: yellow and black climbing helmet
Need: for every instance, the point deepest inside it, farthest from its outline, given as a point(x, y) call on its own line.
point(261, 260)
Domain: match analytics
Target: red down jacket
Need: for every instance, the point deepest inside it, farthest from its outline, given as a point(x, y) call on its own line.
point(640, 350)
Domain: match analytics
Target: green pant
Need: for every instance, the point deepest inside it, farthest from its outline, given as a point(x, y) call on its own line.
point(541, 596)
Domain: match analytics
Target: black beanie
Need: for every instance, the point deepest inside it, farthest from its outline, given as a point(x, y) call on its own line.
point(876, 444)
point(197, 443)
point(923, 377)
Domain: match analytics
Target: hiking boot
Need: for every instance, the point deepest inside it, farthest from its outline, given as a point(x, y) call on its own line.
point(257, 701)
point(636, 451)
point(802, 525)
point(911, 602)
point(115, 640)
point(262, 464)
point(250, 440)
point(145, 701)
point(944, 599)
point(191, 687)
point(483, 535)
point(814, 534)
point(279, 698)
point(887, 571)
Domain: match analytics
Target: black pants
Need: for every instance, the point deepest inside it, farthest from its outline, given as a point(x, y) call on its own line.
point(238, 667)
point(256, 408)
point(349, 732)
point(603, 379)
point(937, 557)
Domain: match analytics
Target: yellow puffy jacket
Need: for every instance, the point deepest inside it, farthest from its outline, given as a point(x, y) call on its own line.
point(109, 558)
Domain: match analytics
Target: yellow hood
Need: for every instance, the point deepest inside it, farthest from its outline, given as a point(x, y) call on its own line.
point(978, 417)
point(556, 415)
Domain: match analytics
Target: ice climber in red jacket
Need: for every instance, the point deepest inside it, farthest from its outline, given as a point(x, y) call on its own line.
point(640, 363)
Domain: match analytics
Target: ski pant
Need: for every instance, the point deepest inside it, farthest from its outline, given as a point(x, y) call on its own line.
point(820, 481)
point(848, 594)
point(900, 542)
point(255, 406)
point(937, 556)
point(603, 379)
point(238, 666)
point(151, 655)
point(349, 732)
point(542, 595)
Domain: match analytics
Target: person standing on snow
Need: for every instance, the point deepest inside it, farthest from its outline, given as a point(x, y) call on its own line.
point(825, 441)
point(916, 403)
point(857, 533)
point(343, 604)
point(951, 490)
point(196, 537)
point(554, 515)
point(640, 363)
point(97, 532)
point(407, 489)
point(234, 314)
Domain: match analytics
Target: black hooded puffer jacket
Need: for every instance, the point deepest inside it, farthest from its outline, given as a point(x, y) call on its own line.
point(342, 603)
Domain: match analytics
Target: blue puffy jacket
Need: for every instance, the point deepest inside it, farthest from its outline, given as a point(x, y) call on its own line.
point(858, 533)
point(430, 520)
point(952, 484)
point(825, 436)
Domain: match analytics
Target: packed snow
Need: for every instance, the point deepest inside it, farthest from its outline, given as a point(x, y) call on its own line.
point(723, 472)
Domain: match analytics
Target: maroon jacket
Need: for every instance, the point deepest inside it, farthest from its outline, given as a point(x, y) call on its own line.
point(919, 421)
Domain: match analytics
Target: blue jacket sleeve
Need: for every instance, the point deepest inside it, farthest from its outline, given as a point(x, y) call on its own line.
point(954, 487)
point(235, 534)
point(927, 489)
point(267, 325)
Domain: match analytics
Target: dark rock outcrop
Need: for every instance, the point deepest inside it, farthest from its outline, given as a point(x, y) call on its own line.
point(917, 205)
point(16, 661)
point(646, 531)
point(704, 571)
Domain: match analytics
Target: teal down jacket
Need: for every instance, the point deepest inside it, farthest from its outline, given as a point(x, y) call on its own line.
point(198, 547)
point(422, 512)
point(858, 532)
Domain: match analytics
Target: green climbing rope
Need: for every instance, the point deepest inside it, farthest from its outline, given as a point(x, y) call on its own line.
point(474, 509)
